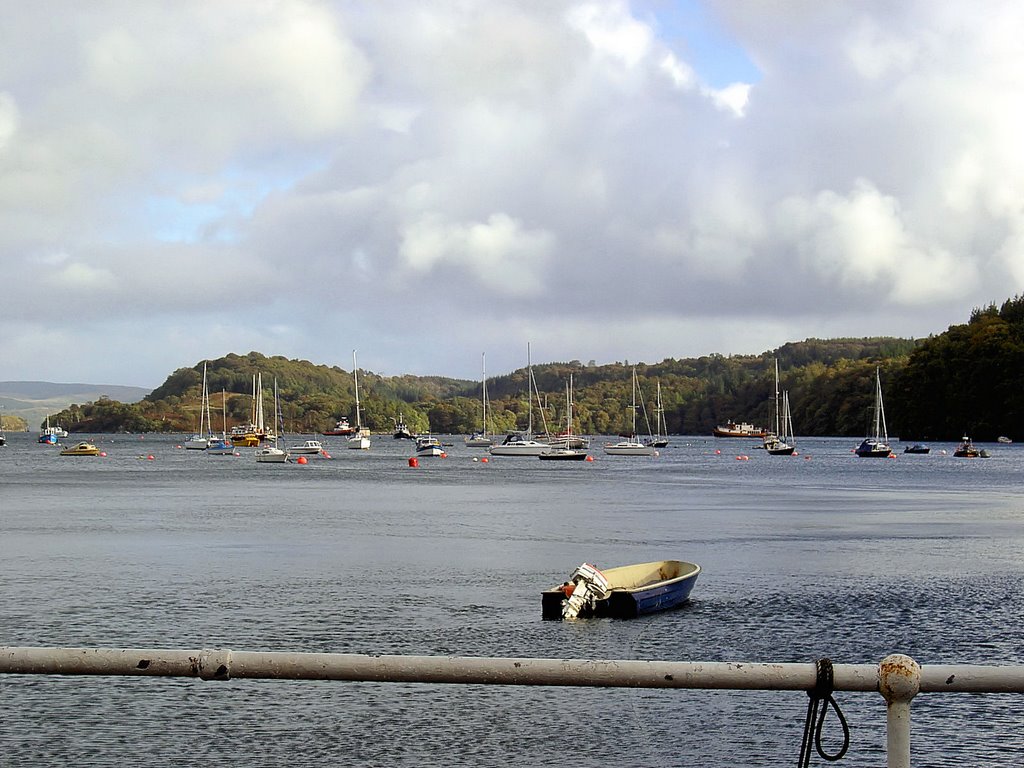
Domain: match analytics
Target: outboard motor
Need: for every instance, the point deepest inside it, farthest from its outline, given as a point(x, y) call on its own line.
point(589, 586)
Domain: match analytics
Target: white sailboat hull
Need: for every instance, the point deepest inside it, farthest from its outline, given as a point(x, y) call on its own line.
point(629, 448)
point(519, 448)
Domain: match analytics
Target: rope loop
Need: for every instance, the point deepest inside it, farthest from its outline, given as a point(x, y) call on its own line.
point(821, 695)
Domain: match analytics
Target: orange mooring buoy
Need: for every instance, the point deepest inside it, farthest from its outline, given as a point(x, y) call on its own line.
point(413, 461)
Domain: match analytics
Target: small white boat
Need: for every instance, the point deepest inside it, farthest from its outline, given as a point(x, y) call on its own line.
point(360, 440)
point(428, 446)
point(308, 447)
point(631, 446)
point(271, 454)
point(481, 439)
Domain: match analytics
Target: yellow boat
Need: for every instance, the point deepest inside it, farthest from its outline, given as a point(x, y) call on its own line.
point(82, 449)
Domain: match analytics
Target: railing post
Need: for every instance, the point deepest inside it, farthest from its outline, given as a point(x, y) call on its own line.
point(899, 680)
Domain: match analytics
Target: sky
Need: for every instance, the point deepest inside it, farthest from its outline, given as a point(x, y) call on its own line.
point(425, 182)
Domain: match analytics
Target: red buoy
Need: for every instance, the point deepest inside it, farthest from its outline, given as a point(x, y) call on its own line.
point(413, 461)
point(301, 460)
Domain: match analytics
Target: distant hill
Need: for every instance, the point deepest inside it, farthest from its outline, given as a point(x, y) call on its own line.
point(32, 400)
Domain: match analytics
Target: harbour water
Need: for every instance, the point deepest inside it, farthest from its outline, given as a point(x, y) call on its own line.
point(821, 554)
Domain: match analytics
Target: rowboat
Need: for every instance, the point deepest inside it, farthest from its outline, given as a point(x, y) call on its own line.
point(623, 592)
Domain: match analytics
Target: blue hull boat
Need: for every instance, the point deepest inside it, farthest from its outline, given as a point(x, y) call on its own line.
point(624, 592)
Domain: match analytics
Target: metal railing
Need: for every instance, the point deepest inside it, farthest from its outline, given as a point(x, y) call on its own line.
point(897, 678)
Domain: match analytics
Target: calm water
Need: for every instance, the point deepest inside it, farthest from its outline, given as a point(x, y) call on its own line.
point(818, 555)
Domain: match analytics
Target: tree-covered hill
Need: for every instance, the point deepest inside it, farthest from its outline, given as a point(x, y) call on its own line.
point(965, 379)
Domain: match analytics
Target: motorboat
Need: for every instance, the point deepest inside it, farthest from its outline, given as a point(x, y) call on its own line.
point(81, 449)
point(625, 592)
point(518, 444)
point(429, 446)
point(967, 449)
point(308, 447)
point(917, 448)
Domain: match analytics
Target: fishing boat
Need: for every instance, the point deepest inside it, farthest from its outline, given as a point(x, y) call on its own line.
point(481, 439)
point(568, 446)
point(200, 441)
point(917, 448)
point(524, 443)
point(82, 449)
point(221, 446)
point(624, 592)
point(402, 432)
point(967, 449)
point(429, 446)
point(272, 454)
point(341, 428)
point(660, 437)
point(50, 435)
point(631, 446)
point(360, 439)
point(876, 446)
point(739, 429)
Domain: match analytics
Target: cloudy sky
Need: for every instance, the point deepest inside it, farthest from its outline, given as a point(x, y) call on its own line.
point(426, 181)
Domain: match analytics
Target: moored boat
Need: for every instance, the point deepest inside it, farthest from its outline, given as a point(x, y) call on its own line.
point(563, 454)
point(402, 432)
point(967, 449)
point(876, 446)
point(739, 429)
point(624, 592)
point(481, 439)
point(631, 446)
point(428, 446)
point(82, 449)
point(917, 448)
point(360, 439)
point(341, 428)
point(308, 447)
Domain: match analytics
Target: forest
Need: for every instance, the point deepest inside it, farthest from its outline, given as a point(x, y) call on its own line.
point(965, 380)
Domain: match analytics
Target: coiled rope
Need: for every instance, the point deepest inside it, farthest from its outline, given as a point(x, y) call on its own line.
point(821, 695)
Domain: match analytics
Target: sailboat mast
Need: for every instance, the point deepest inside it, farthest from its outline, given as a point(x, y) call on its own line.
point(355, 381)
point(777, 396)
point(529, 392)
point(483, 391)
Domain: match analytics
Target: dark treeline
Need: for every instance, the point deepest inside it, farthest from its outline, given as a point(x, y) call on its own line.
point(965, 380)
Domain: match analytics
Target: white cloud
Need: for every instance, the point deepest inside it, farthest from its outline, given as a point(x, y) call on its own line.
point(499, 253)
point(505, 161)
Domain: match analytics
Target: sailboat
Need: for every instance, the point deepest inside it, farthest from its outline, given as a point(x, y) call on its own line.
point(222, 446)
point(516, 444)
point(271, 454)
point(631, 446)
point(780, 442)
point(660, 437)
point(249, 435)
point(877, 445)
point(361, 439)
point(200, 441)
point(481, 439)
point(567, 447)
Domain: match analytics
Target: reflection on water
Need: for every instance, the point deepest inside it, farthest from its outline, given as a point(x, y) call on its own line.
point(818, 555)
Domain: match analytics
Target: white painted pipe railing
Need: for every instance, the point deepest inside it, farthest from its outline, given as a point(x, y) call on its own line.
point(898, 678)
